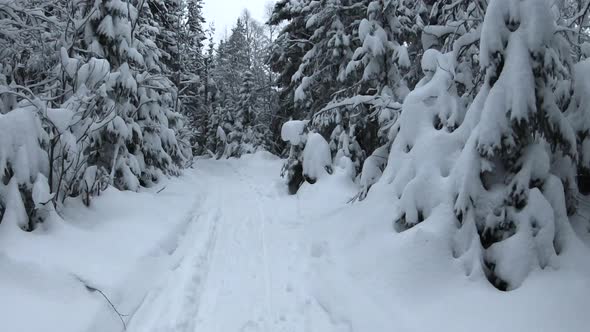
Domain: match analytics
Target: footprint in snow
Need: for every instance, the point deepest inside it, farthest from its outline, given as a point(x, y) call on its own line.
point(319, 249)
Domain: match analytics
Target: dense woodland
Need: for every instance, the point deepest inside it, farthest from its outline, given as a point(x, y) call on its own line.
point(474, 111)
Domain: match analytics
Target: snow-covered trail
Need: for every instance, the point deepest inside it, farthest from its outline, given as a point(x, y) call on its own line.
point(254, 259)
point(241, 264)
point(225, 249)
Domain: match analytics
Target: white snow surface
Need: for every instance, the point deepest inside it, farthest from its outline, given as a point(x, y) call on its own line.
point(225, 249)
point(316, 157)
point(293, 131)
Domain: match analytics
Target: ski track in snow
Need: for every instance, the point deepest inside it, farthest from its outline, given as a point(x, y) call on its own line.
point(254, 259)
point(241, 265)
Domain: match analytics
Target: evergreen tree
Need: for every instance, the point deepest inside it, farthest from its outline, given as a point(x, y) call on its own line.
point(239, 107)
point(518, 141)
point(579, 118)
point(286, 56)
point(363, 49)
point(141, 141)
point(109, 35)
point(381, 61)
point(167, 19)
point(192, 85)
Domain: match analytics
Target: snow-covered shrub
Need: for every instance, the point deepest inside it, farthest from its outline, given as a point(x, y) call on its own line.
point(317, 158)
point(92, 183)
point(23, 169)
point(295, 133)
point(424, 150)
point(344, 125)
point(373, 170)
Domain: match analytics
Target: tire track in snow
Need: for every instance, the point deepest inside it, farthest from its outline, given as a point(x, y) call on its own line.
point(173, 306)
point(262, 232)
point(239, 268)
point(237, 292)
point(200, 269)
point(286, 288)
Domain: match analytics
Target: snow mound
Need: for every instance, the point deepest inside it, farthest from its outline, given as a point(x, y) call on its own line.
point(293, 131)
point(317, 158)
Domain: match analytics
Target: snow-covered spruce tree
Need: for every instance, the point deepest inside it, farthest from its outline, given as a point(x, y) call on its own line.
point(238, 58)
point(323, 68)
point(500, 170)
point(39, 78)
point(194, 36)
point(168, 21)
point(98, 110)
point(213, 144)
point(286, 55)
point(295, 134)
point(244, 121)
point(422, 153)
point(363, 47)
point(456, 26)
point(221, 77)
point(523, 147)
point(259, 38)
point(452, 27)
point(192, 98)
point(166, 147)
point(578, 114)
point(70, 126)
point(381, 60)
point(140, 141)
point(341, 125)
point(242, 104)
point(231, 62)
point(24, 191)
point(377, 77)
point(324, 32)
point(27, 69)
point(108, 35)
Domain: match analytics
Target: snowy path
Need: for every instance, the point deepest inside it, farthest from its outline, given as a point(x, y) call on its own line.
point(225, 249)
point(254, 259)
point(240, 265)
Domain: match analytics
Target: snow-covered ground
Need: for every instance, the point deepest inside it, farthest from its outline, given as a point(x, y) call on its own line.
point(122, 245)
point(225, 249)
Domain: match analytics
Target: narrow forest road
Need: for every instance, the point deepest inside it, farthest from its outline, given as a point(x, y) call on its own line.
point(241, 264)
point(252, 258)
point(225, 249)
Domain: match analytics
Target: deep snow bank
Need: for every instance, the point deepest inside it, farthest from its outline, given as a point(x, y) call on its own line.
point(120, 245)
point(353, 270)
point(368, 277)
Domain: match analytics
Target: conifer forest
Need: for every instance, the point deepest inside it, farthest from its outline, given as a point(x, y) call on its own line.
point(336, 166)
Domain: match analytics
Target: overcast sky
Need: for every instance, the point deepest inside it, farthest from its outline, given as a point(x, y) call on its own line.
point(224, 13)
